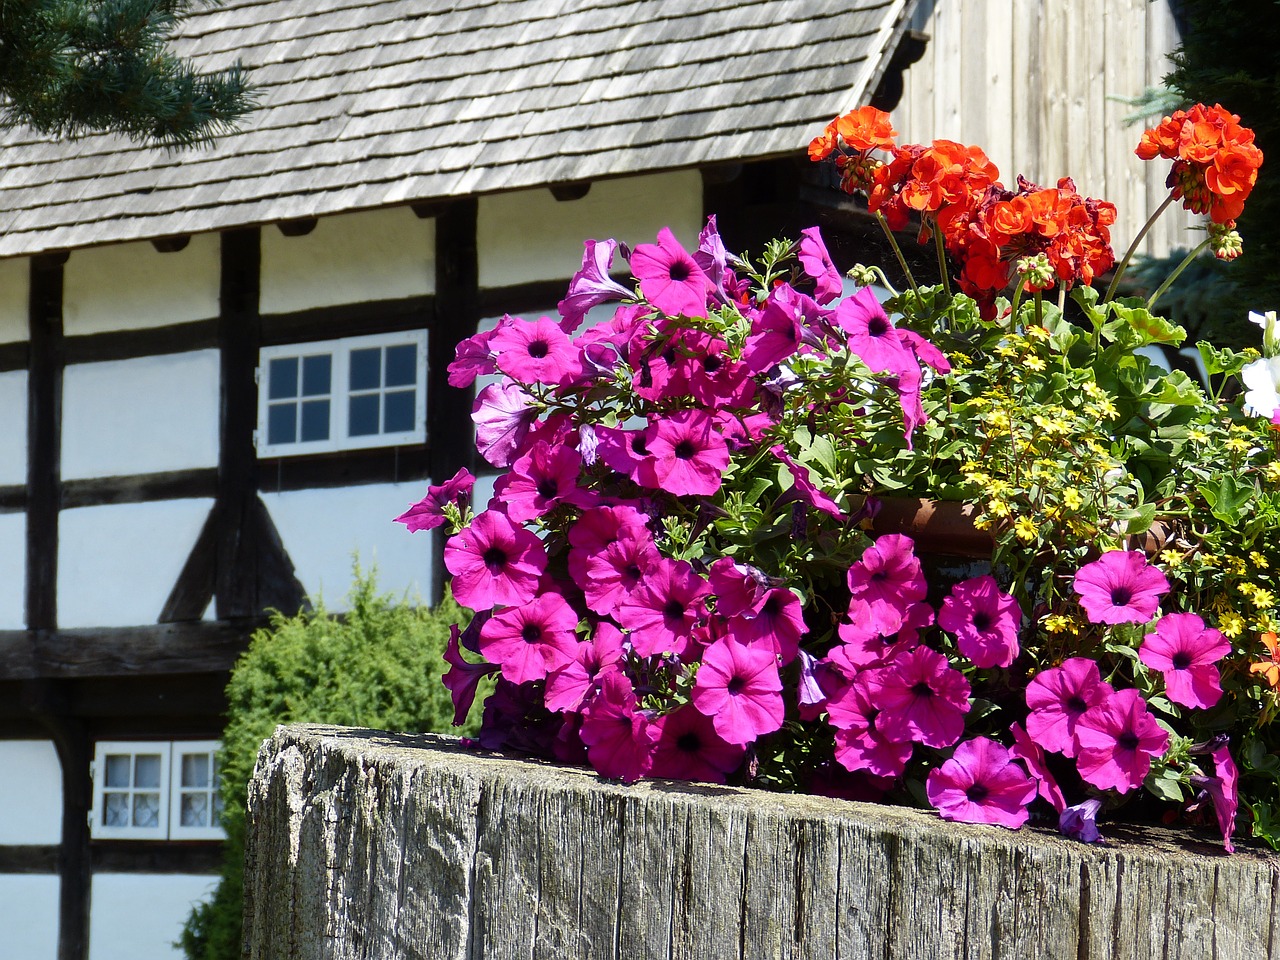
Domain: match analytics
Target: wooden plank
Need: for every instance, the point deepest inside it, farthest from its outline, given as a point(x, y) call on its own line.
point(140, 488)
point(124, 856)
point(44, 440)
point(129, 344)
point(28, 858)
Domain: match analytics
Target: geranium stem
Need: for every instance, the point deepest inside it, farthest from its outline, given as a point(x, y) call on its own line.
point(942, 260)
point(1168, 281)
point(1133, 247)
point(897, 251)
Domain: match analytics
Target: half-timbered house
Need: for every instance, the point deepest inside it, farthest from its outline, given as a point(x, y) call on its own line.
point(221, 371)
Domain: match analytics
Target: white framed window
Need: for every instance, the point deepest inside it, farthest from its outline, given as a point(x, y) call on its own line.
point(156, 790)
point(346, 394)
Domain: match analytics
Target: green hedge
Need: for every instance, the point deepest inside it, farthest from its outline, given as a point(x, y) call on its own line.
point(378, 665)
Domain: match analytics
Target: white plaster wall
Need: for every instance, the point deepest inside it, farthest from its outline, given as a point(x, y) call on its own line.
point(13, 570)
point(323, 529)
point(139, 916)
point(118, 563)
point(13, 436)
point(132, 286)
point(30, 793)
point(350, 258)
point(144, 415)
point(28, 917)
point(528, 235)
point(15, 287)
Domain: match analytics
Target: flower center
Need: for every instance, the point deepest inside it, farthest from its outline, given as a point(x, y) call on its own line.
point(1181, 660)
point(877, 326)
point(685, 450)
point(495, 558)
point(538, 349)
point(531, 633)
point(982, 621)
point(1120, 596)
point(637, 444)
point(1128, 740)
point(1076, 704)
point(734, 686)
point(679, 271)
point(977, 793)
point(631, 573)
point(674, 610)
point(547, 487)
point(689, 742)
point(922, 689)
point(711, 364)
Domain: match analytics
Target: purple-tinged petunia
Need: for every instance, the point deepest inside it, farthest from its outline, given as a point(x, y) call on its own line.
point(611, 575)
point(1058, 697)
point(542, 477)
point(1032, 755)
point(568, 686)
point(816, 262)
point(662, 610)
point(1080, 821)
point(428, 512)
point(531, 640)
point(689, 748)
point(596, 528)
point(921, 698)
point(888, 577)
point(776, 332)
point(463, 677)
point(625, 451)
point(494, 562)
point(981, 784)
point(669, 278)
point(688, 456)
point(619, 738)
point(503, 414)
point(472, 358)
point(858, 744)
point(738, 687)
point(1186, 651)
point(1223, 792)
point(712, 256)
point(1120, 587)
point(515, 719)
point(738, 586)
point(534, 351)
point(1117, 740)
point(872, 335)
point(777, 621)
point(591, 285)
point(803, 486)
point(984, 620)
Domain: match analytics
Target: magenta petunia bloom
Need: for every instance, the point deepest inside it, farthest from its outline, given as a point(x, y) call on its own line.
point(534, 351)
point(462, 677)
point(1080, 821)
point(591, 285)
point(859, 745)
point(687, 454)
point(429, 511)
point(542, 477)
point(530, 640)
point(804, 488)
point(921, 698)
point(494, 562)
point(662, 610)
point(738, 586)
point(619, 738)
point(816, 263)
point(889, 579)
point(985, 621)
point(1032, 755)
point(611, 575)
point(625, 452)
point(669, 278)
point(1058, 698)
point(981, 784)
point(775, 333)
point(1223, 792)
point(1118, 739)
point(872, 335)
point(711, 254)
point(689, 748)
point(472, 358)
point(595, 529)
point(776, 621)
point(738, 687)
point(503, 414)
point(1186, 651)
point(568, 686)
point(1120, 587)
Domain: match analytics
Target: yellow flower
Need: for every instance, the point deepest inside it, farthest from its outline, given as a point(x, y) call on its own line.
point(1258, 560)
point(1032, 362)
point(1172, 558)
point(1071, 499)
point(1236, 444)
point(1262, 599)
point(1272, 471)
point(1037, 332)
point(999, 508)
point(1231, 624)
point(1025, 529)
point(1058, 623)
point(1198, 435)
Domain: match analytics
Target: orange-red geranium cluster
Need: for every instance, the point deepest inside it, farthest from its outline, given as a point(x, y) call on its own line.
point(1215, 161)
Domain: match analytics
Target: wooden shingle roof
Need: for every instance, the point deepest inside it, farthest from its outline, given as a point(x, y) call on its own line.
point(366, 103)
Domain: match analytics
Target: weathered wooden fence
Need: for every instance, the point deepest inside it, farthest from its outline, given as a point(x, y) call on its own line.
point(379, 845)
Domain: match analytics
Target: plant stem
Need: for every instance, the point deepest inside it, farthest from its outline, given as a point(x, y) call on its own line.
point(1133, 247)
point(1186, 262)
point(902, 261)
point(1039, 309)
point(942, 260)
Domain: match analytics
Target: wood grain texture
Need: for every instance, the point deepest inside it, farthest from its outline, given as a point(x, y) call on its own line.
point(368, 844)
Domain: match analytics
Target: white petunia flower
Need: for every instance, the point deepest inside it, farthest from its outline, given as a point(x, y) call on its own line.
point(1270, 331)
point(1262, 382)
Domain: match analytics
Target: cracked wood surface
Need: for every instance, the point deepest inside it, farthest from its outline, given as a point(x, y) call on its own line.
point(381, 845)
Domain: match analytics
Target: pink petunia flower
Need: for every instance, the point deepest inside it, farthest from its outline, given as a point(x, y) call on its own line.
point(738, 586)
point(888, 577)
point(1186, 651)
point(614, 573)
point(1120, 587)
point(921, 698)
point(775, 333)
point(1058, 697)
point(711, 254)
point(669, 278)
point(689, 748)
point(596, 528)
point(463, 677)
point(738, 687)
point(534, 351)
point(428, 512)
point(776, 621)
point(591, 285)
point(859, 745)
point(1117, 740)
point(872, 335)
point(542, 477)
point(816, 262)
point(624, 451)
point(662, 610)
point(804, 488)
point(531, 640)
point(619, 738)
point(1032, 755)
point(985, 621)
point(494, 562)
point(569, 685)
point(472, 358)
point(503, 414)
point(1223, 791)
point(1080, 821)
point(687, 454)
point(981, 784)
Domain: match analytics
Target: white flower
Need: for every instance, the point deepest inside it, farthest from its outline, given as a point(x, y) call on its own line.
point(1270, 331)
point(1262, 381)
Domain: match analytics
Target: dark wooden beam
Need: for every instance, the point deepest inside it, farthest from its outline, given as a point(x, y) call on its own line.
point(523, 300)
point(171, 244)
point(44, 440)
point(129, 344)
point(14, 356)
point(13, 499)
point(346, 468)
point(297, 228)
point(329, 323)
point(141, 856)
point(29, 858)
point(140, 488)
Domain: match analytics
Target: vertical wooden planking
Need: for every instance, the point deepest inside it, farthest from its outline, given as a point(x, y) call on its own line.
point(999, 79)
point(1028, 90)
point(949, 65)
point(914, 117)
point(1125, 176)
point(1051, 159)
point(1162, 38)
point(47, 358)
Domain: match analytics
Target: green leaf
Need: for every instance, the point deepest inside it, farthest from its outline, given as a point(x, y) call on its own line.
point(1136, 326)
point(1226, 498)
point(1164, 787)
point(1140, 519)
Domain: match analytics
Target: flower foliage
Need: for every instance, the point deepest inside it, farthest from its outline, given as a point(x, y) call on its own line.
point(683, 570)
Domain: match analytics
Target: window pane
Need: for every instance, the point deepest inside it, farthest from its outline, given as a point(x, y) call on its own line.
point(117, 772)
point(402, 366)
point(282, 425)
point(195, 809)
point(282, 378)
point(315, 420)
point(195, 770)
point(146, 809)
point(117, 812)
point(315, 375)
point(146, 770)
point(366, 369)
point(362, 417)
point(399, 412)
